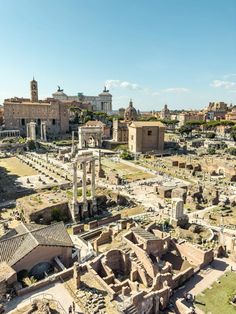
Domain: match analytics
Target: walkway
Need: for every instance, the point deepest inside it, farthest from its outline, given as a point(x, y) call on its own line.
point(205, 278)
point(56, 290)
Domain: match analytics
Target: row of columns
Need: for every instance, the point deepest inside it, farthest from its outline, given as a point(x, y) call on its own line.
point(10, 133)
point(74, 207)
point(31, 131)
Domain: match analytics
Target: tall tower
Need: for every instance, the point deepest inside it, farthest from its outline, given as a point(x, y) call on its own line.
point(34, 90)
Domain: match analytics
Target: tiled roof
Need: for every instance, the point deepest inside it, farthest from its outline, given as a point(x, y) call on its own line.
point(142, 233)
point(29, 237)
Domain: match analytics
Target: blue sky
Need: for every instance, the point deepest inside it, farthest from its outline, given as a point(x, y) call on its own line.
point(179, 52)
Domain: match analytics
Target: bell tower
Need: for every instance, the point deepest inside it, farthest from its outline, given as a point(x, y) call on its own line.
point(34, 90)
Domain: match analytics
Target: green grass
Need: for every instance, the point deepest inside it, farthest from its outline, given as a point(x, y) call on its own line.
point(217, 298)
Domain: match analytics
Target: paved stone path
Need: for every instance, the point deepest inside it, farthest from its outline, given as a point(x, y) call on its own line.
point(56, 290)
point(205, 278)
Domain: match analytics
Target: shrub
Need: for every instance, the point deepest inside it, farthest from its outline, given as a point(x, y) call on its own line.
point(126, 155)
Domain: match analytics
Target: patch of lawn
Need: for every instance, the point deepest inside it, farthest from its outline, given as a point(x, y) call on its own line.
point(217, 298)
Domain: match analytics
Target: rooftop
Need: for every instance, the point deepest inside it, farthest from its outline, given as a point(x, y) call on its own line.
point(28, 236)
point(140, 124)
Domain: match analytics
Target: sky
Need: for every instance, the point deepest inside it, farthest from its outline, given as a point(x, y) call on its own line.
point(178, 52)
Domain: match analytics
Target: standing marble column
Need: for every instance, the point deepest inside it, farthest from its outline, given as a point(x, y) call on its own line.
point(80, 137)
point(93, 179)
point(44, 131)
point(33, 131)
point(84, 189)
point(41, 131)
point(74, 205)
point(28, 130)
point(101, 173)
point(93, 192)
point(73, 143)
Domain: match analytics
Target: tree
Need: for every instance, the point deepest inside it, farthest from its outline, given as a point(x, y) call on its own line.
point(233, 134)
point(126, 155)
point(232, 151)
point(211, 151)
point(169, 122)
point(31, 145)
point(185, 129)
point(210, 135)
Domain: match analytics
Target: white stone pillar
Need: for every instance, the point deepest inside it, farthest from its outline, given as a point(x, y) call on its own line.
point(84, 188)
point(74, 205)
point(73, 143)
point(28, 130)
point(93, 192)
point(33, 131)
point(45, 132)
point(80, 138)
point(41, 131)
point(101, 173)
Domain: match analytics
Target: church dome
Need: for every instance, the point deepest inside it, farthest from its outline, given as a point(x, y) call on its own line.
point(130, 112)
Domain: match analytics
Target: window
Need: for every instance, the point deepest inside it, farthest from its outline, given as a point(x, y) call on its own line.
point(22, 121)
point(53, 121)
point(149, 132)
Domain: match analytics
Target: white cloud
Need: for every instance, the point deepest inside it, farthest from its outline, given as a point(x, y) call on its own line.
point(130, 86)
point(229, 76)
point(122, 84)
point(155, 93)
point(148, 91)
point(177, 90)
point(224, 84)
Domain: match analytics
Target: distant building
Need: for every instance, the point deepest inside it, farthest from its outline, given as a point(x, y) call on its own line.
point(216, 110)
point(20, 111)
point(1, 115)
point(165, 113)
point(121, 112)
point(102, 102)
point(120, 127)
point(130, 113)
point(185, 117)
point(146, 136)
point(106, 130)
point(231, 115)
point(120, 131)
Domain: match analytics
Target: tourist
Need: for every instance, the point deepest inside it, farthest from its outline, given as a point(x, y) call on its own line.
point(70, 309)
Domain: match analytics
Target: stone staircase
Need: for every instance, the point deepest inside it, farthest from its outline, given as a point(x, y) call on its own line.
point(130, 310)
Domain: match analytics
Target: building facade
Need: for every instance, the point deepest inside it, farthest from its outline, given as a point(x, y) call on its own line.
point(185, 117)
point(231, 115)
point(146, 136)
point(102, 102)
point(216, 110)
point(120, 127)
point(20, 111)
point(165, 113)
